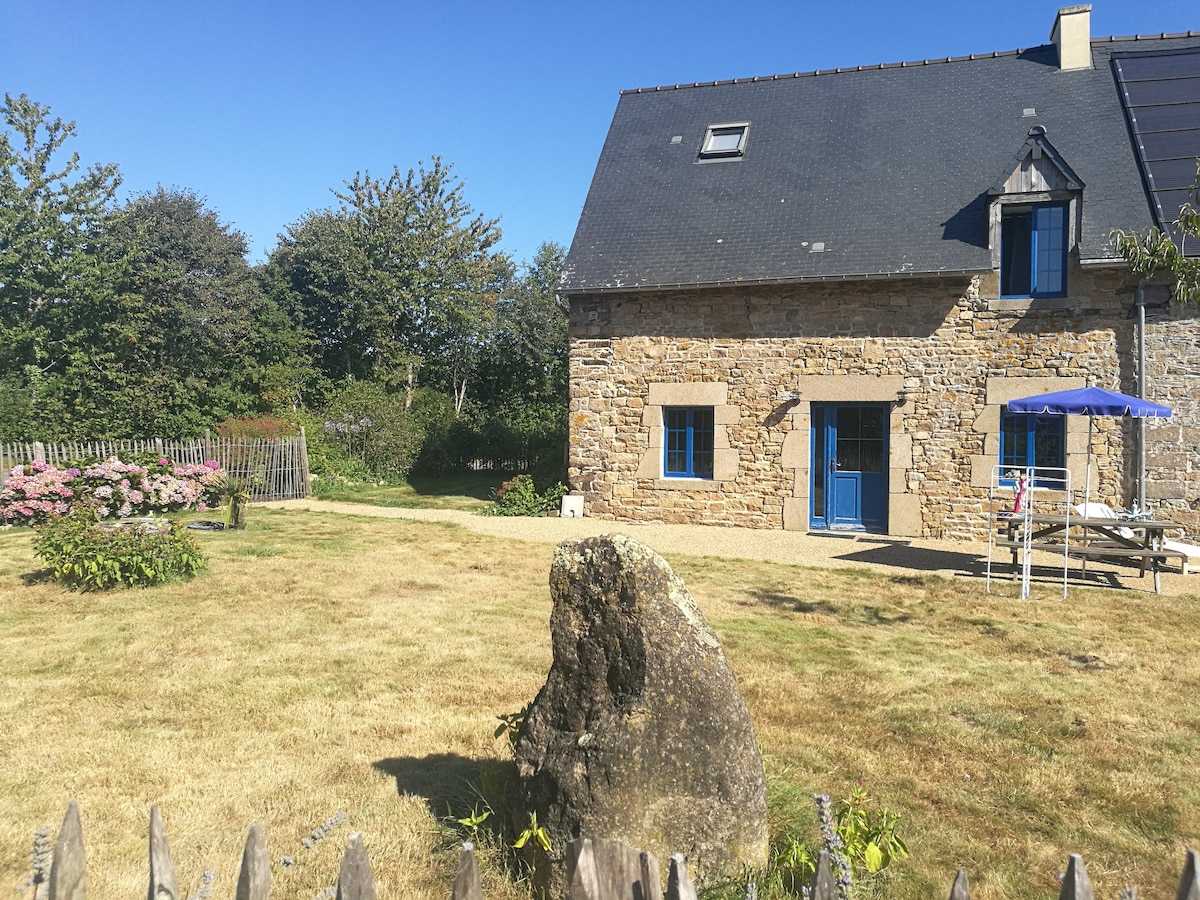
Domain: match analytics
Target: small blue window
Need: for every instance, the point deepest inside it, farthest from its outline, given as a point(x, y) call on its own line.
point(689, 444)
point(1027, 439)
point(1033, 251)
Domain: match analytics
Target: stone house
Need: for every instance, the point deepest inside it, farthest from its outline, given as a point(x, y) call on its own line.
point(803, 301)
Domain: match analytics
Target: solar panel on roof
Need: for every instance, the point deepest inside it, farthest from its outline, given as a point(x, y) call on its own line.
point(1161, 91)
point(1161, 96)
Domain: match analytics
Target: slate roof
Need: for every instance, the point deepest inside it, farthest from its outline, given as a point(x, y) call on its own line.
point(887, 167)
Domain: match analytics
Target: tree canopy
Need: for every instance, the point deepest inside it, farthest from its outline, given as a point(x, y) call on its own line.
point(197, 334)
point(403, 273)
point(53, 281)
point(143, 318)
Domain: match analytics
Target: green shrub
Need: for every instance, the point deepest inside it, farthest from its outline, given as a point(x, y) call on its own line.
point(520, 497)
point(86, 555)
point(371, 432)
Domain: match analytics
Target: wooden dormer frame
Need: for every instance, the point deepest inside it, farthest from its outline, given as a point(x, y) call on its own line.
point(1038, 174)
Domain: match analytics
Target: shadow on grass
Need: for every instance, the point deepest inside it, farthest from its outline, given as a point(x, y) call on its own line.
point(795, 604)
point(38, 576)
point(477, 485)
point(870, 615)
point(903, 555)
point(453, 785)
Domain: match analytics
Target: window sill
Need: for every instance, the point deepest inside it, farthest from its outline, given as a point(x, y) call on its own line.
point(687, 484)
point(1021, 304)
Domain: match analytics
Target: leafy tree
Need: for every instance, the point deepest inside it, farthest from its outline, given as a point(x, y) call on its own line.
point(527, 352)
point(317, 273)
point(54, 284)
point(367, 423)
point(1152, 251)
point(402, 273)
point(197, 339)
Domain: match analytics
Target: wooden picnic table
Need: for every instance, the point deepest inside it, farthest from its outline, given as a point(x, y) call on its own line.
point(1139, 540)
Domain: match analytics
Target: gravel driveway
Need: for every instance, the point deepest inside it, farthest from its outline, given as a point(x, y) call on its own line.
point(879, 552)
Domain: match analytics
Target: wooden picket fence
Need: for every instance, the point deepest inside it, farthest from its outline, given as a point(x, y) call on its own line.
point(597, 869)
point(274, 469)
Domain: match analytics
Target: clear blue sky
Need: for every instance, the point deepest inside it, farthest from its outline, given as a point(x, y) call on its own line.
point(263, 107)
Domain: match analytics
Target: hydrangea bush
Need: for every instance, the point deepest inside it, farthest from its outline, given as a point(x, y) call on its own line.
point(37, 491)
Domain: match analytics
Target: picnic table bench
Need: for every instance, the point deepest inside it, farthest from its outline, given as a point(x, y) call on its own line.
point(1137, 540)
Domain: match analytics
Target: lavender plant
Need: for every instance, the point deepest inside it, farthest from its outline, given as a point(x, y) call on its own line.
point(39, 862)
point(861, 843)
point(323, 829)
point(205, 889)
point(832, 840)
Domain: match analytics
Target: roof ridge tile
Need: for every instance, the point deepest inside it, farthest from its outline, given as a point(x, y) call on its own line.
point(842, 70)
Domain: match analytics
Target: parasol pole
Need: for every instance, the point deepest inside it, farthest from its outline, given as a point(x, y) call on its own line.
point(1087, 483)
point(1141, 386)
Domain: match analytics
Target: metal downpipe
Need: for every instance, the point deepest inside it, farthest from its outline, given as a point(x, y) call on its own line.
point(1141, 392)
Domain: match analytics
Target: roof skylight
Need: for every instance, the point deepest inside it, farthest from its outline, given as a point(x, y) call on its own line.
point(726, 141)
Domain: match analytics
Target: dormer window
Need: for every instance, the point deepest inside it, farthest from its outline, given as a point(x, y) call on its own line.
point(725, 141)
point(1034, 215)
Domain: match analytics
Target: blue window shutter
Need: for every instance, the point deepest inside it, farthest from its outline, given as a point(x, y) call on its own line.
point(1049, 251)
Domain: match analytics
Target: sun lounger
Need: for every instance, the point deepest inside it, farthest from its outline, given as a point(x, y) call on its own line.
point(1190, 554)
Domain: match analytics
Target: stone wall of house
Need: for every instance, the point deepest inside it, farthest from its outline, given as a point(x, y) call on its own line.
point(954, 351)
point(1173, 378)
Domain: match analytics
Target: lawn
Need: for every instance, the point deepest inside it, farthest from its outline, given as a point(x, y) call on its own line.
point(464, 490)
point(335, 663)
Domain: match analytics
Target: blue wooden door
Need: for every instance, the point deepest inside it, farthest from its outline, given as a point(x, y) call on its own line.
point(849, 486)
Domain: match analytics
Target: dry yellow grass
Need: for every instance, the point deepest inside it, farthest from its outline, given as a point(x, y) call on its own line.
point(327, 663)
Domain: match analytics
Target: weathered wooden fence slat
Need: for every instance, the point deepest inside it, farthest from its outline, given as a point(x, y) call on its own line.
point(583, 881)
point(163, 885)
point(254, 879)
point(961, 889)
point(597, 869)
point(355, 881)
point(466, 880)
point(651, 876)
point(679, 883)
point(1189, 883)
point(823, 887)
point(1076, 884)
point(600, 869)
point(68, 871)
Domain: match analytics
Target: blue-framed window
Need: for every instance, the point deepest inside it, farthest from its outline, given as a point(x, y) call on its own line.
point(1029, 439)
point(689, 444)
point(1033, 251)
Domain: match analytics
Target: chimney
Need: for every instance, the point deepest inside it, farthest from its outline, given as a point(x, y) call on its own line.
point(1072, 35)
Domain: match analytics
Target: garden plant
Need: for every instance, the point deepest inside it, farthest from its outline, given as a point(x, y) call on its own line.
point(37, 491)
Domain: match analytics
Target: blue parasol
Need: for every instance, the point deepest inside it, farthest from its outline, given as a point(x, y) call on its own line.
point(1090, 402)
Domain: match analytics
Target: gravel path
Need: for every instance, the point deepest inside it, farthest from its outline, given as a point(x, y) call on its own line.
point(887, 554)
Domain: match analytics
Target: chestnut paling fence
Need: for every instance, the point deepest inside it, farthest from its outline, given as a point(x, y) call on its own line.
point(596, 870)
point(273, 469)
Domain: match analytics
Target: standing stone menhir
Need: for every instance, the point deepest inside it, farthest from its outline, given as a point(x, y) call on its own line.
point(640, 733)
